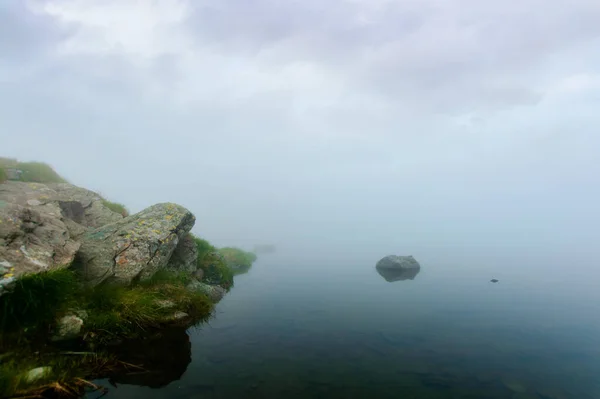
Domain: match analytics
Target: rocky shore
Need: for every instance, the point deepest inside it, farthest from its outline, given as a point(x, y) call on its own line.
point(75, 269)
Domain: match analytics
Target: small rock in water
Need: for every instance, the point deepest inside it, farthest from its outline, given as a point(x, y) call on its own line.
point(494, 280)
point(37, 373)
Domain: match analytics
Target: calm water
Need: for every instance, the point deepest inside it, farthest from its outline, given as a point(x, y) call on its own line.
point(334, 328)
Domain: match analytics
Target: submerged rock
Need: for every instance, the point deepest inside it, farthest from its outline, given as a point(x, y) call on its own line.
point(136, 247)
point(398, 263)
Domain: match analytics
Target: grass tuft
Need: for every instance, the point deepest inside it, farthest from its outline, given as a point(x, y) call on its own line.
point(36, 172)
point(3, 176)
point(39, 172)
point(237, 259)
point(116, 207)
point(210, 261)
point(35, 299)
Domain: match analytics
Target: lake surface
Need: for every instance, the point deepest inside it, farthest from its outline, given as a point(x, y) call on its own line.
point(333, 327)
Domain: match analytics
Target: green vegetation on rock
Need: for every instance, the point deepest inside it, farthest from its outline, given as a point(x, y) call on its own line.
point(37, 172)
point(116, 207)
point(238, 260)
point(113, 311)
point(29, 314)
point(35, 300)
point(212, 264)
point(62, 374)
point(2, 175)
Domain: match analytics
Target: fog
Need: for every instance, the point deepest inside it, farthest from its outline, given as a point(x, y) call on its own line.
point(337, 128)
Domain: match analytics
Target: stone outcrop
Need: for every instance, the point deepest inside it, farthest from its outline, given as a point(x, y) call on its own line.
point(40, 225)
point(134, 248)
point(49, 226)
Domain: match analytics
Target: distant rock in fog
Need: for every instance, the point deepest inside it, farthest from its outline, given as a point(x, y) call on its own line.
point(397, 268)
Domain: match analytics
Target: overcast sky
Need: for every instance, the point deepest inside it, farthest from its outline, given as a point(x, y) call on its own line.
point(403, 124)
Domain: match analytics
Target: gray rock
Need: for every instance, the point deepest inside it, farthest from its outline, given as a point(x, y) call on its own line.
point(134, 248)
point(214, 292)
point(33, 240)
point(67, 327)
point(37, 374)
point(398, 262)
point(40, 224)
point(185, 256)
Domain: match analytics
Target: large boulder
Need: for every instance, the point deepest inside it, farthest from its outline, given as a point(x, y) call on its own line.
point(32, 241)
point(134, 248)
point(398, 263)
point(40, 225)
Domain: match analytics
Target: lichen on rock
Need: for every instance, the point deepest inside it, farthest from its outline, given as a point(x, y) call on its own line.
point(136, 247)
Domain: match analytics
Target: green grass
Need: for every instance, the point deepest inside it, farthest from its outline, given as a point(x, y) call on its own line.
point(27, 315)
point(29, 311)
point(35, 300)
point(2, 176)
point(39, 172)
point(126, 311)
point(116, 207)
point(215, 269)
point(66, 377)
point(237, 258)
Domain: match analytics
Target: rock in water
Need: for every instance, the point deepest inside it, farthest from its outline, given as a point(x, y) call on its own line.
point(398, 263)
point(136, 247)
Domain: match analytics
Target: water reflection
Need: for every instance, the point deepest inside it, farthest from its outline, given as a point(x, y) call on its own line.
point(392, 275)
point(163, 358)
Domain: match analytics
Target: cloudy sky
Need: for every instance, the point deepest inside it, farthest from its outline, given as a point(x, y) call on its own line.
point(406, 123)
